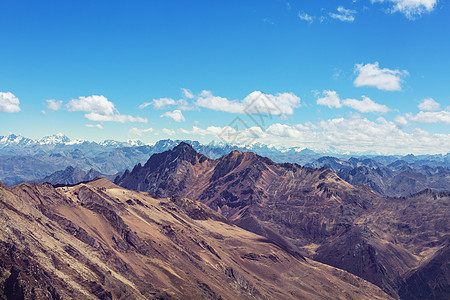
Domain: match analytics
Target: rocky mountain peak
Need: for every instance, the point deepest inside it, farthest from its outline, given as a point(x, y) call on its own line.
point(182, 152)
point(184, 147)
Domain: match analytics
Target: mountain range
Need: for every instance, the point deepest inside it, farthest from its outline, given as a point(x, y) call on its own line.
point(314, 213)
point(401, 177)
point(184, 225)
point(23, 159)
point(71, 175)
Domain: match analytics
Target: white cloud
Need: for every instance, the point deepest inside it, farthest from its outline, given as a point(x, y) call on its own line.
point(9, 103)
point(140, 132)
point(208, 100)
point(168, 131)
point(430, 117)
point(346, 135)
point(114, 118)
point(429, 104)
point(54, 104)
point(99, 126)
point(305, 17)
point(187, 93)
point(401, 121)
point(330, 99)
point(176, 115)
point(92, 104)
point(144, 105)
point(161, 103)
point(100, 109)
point(279, 104)
point(344, 15)
point(410, 8)
point(256, 102)
point(365, 105)
point(383, 79)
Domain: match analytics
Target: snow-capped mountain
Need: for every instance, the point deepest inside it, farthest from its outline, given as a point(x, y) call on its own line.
point(59, 139)
point(117, 144)
point(15, 140)
point(55, 139)
point(110, 143)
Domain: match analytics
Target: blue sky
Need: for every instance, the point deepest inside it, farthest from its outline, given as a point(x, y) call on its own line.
point(356, 76)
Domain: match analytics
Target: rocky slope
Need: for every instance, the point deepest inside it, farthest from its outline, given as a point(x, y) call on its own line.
point(430, 279)
point(306, 211)
point(99, 241)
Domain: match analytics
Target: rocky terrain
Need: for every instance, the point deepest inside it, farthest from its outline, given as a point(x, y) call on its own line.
point(99, 241)
point(312, 212)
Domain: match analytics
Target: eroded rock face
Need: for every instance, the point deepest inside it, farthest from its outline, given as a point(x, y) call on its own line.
point(307, 211)
point(99, 241)
point(362, 252)
point(430, 279)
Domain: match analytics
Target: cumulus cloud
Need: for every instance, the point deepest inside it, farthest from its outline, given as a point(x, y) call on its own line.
point(430, 117)
point(410, 8)
point(365, 105)
point(140, 132)
point(100, 109)
point(255, 103)
point(305, 17)
point(346, 135)
point(163, 102)
point(383, 79)
point(344, 15)
point(54, 104)
point(330, 99)
point(176, 115)
point(99, 126)
point(208, 100)
point(401, 121)
point(9, 103)
point(168, 131)
point(429, 104)
point(92, 104)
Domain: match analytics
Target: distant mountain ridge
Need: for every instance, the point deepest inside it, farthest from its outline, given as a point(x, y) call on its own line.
point(12, 143)
point(398, 178)
point(23, 159)
point(71, 175)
